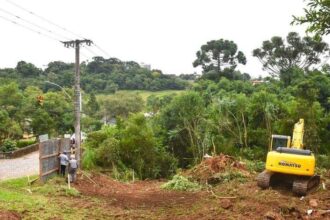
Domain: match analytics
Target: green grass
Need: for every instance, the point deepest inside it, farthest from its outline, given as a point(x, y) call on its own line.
point(39, 201)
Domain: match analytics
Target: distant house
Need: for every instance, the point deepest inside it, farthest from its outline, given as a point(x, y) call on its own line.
point(144, 65)
point(256, 81)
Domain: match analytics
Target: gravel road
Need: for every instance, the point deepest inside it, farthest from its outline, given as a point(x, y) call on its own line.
point(19, 167)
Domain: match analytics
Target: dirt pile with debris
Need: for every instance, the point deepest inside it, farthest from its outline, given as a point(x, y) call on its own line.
point(215, 169)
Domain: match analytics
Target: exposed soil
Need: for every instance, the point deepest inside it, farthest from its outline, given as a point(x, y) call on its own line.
point(145, 194)
point(9, 215)
point(232, 200)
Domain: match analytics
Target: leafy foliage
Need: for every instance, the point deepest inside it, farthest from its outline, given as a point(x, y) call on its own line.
point(181, 183)
point(120, 105)
point(316, 16)
point(131, 145)
point(8, 145)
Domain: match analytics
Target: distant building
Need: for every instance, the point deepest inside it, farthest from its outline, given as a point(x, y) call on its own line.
point(256, 81)
point(144, 65)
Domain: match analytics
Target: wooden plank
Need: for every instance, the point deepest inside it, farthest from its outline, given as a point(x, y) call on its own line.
point(50, 155)
point(49, 172)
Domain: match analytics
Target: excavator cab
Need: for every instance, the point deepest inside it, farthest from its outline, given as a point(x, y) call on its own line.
point(279, 141)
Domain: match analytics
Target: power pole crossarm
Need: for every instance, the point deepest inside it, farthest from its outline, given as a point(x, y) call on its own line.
point(77, 103)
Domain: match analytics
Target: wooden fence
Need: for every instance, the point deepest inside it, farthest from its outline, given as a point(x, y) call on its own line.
point(48, 156)
point(19, 152)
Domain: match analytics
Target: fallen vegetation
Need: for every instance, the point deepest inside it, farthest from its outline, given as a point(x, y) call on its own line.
point(218, 169)
point(181, 183)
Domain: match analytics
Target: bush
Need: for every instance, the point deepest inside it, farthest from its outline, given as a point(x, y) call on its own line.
point(8, 145)
point(255, 165)
point(181, 183)
point(108, 153)
point(24, 143)
point(131, 145)
point(323, 161)
point(89, 159)
point(255, 153)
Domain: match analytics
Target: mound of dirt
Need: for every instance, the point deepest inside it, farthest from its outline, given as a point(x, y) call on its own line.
point(209, 169)
point(9, 215)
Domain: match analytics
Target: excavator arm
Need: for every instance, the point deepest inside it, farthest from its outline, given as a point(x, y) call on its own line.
point(298, 135)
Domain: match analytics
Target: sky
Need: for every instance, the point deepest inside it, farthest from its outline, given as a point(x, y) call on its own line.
point(163, 33)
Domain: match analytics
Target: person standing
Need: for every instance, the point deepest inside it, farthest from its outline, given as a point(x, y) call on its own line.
point(64, 160)
point(73, 166)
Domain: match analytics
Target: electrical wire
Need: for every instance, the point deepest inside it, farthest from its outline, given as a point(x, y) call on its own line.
point(105, 52)
point(28, 28)
point(33, 24)
point(44, 19)
point(54, 24)
point(90, 50)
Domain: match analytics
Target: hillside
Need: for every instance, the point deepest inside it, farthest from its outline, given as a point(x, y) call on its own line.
point(99, 76)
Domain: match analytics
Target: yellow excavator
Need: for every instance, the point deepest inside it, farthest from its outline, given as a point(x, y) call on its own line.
point(288, 161)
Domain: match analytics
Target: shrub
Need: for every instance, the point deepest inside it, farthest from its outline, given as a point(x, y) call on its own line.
point(255, 165)
point(181, 183)
point(255, 153)
point(108, 153)
point(8, 145)
point(323, 161)
point(89, 158)
point(131, 145)
point(24, 143)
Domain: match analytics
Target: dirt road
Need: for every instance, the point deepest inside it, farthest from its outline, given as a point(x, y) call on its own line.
point(23, 166)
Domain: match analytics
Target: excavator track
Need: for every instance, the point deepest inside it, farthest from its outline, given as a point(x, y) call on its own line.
point(263, 179)
point(303, 185)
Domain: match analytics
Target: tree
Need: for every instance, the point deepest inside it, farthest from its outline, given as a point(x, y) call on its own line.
point(92, 105)
point(216, 54)
point(280, 58)
point(59, 66)
point(11, 100)
point(263, 108)
point(8, 127)
point(317, 16)
point(183, 121)
point(27, 69)
point(230, 116)
point(42, 123)
point(121, 105)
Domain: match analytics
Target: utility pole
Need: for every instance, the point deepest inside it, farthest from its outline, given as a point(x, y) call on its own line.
point(77, 103)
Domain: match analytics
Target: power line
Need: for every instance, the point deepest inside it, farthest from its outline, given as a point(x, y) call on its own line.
point(44, 19)
point(90, 50)
point(52, 23)
point(28, 28)
point(33, 24)
point(105, 52)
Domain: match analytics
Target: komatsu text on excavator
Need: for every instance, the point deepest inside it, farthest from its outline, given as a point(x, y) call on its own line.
point(288, 161)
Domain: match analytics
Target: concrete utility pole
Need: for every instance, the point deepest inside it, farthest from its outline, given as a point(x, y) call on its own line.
point(77, 103)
